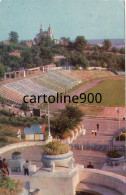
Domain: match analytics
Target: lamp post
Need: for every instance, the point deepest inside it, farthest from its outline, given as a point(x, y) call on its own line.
point(118, 112)
point(49, 133)
point(65, 95)
point(12, 108)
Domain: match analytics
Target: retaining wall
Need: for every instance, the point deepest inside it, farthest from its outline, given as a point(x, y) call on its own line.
point(103, 178)
point(19, 145)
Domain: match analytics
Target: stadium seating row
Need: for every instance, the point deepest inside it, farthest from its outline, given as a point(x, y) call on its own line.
point(28, 87)
point(10, 94)
point(49, 84)
point(56, 81)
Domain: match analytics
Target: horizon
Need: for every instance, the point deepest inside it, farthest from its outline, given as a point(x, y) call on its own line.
point(67, 19)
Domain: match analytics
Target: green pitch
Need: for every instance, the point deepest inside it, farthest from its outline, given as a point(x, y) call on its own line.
point(112, 92)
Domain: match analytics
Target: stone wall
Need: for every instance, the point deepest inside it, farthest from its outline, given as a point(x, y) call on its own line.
point(103, 178)
point(19, 145)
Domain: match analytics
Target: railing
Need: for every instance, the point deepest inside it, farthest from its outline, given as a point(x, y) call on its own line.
point(98, 147)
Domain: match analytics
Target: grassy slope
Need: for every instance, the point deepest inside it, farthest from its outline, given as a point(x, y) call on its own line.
point(84, 75)
point(13, 131)
point(9, 126)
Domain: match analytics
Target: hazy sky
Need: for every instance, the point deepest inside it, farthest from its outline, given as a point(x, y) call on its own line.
point(94, 19)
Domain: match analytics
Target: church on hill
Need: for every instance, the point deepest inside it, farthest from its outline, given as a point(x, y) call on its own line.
point(42, 33)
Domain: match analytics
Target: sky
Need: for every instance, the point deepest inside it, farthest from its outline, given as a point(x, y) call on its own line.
point(94, 19)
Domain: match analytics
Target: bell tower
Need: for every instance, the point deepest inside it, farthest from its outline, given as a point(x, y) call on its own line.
point(50, 32)
point(41, 29)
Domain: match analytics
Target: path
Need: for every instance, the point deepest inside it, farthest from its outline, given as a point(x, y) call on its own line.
point(112, 112)
point(107, 130)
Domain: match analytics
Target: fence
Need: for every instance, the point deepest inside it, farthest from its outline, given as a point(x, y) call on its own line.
point(97, 147)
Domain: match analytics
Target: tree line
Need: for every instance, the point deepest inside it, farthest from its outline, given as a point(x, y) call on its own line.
point(43, 52)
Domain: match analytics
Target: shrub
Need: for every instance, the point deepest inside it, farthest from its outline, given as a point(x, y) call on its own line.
point(114, 154)
point(66, 135)
point(9, 118)
point(3, 139)
point(79, 127)
point(121, 137)
point(16, 153)
point(10, 134)
point(56, 148)
point(9, 186)
point(75, 132)
point(3, 120)
point(25, 106)
point(6, 113)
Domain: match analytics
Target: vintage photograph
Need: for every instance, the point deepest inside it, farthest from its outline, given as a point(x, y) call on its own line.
point(62, 97)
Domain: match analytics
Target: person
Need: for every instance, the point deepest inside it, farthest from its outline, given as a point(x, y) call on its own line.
point(95, 132)
point(5, 167)
point(31, 113)
point(97, 126)
point(26, 168)
point(84, 131)
point(0, 163)
point(92, 132)
point(90, 165)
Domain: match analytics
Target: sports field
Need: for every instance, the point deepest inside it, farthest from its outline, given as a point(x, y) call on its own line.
point(112, 92)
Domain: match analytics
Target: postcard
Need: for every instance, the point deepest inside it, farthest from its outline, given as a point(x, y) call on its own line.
point(62, 97)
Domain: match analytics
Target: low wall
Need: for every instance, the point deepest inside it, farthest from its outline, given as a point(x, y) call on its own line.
point(104, 178)
point(19, 145)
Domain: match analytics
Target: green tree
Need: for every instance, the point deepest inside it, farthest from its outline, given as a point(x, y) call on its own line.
point(13, 37)
point(107, 44)
point(14, 62)
point(60, 125)
point(120, 63)
point(80, 43)
point(73, 114)
point(24, 106)
point(45, 41)
point(66, 120)
point(27, 58)
point(46, 55)
point(3, 69)
point(66, 39)
point(114, 50)
point(122, 50)
point(79, 59)
point(1, 99)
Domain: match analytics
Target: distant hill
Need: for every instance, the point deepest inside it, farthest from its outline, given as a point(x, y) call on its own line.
point(115, 42)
